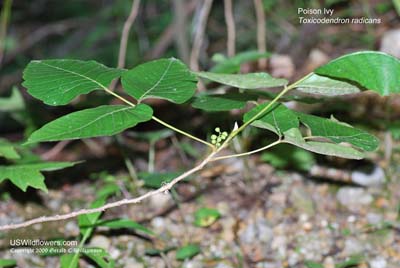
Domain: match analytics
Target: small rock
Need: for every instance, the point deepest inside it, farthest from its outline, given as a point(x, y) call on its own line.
point(374, 218)
point(329, 262)
point(353, 197)
point(192, 264)
point(257, 231)
point(391, 43)
point(100, 241)
point(353, 246)
point(302, 201)
point(374, 178)
point(378, 262)
point(71, 229)
point(159, 201)
point(132, 263)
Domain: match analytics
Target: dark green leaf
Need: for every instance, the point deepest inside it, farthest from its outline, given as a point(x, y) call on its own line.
point(322, 85)
point(339, 132)
point(7, 263)
point(26, 175)
point(100, 257)
point(107, 190)
point(100, 121)
point(373, 70)
point(187, 252)
point(293, 136)
point(156, 180)
point(57, 82)
point(278, 118)
point(168, 79)
point(87, 222)
point(204, 217)
point(245, 81)
point(125, 223)
point(287, 156)
point(222, 102)
point(232, 65)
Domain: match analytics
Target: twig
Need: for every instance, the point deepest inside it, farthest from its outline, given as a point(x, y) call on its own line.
point(261, 39)
point(167, 37)
point(50, 154)
point(230, 25)
point(125, 33)
point(5, 17)
point(247, 153)
point(199, 35)
point(119, 203)
point(180, 30)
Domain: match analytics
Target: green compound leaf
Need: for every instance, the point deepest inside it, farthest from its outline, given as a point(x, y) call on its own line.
point(322, 85)
point(7, 150)
point(104, 120)
point(204, 217)
point(168, 79)
point(100, 257)
point(222, 102)
point(339, 132)
point(156, 180)
point(125, 223)
point(278, 118)
point(187, 252)
point(245, 81)
point(293, 136)
point(232, 64)
point(26, 175)
point(376, 71)
point(57, 82)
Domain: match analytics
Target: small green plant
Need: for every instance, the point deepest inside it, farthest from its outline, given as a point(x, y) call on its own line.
point(58, 82)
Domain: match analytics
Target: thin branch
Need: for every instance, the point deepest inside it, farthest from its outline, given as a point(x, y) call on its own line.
point(247, 153)
point(5, 17)
point(230, 25)
point(125, 33)
point(261, 38)
point(199, 34)
point(180, 26)
point(119, 203)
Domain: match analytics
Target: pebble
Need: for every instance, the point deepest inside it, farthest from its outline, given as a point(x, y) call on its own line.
point(391, 42)
point(353, 246)
point(132, 263)
point(100, 241)
point(374, 218)
point(159, 201)
point(353, 198)
point(257, 231)
point(378, 262)
point(374, 178)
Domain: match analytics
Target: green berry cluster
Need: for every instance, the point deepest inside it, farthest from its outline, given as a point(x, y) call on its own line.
point(220, 137)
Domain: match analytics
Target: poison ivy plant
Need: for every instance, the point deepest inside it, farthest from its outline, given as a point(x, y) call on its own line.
point(57, 82)
point(25, 170)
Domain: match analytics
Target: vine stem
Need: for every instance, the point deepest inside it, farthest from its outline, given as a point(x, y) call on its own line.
point(247, 153)
point(158, 120)
point(165, 188)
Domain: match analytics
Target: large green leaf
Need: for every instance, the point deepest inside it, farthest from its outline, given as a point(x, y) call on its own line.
point(376, 71)
point(124, 223)
point(168, 79)
point(232, 65)
point(338, 132)
point(293, 136)
point(100, 121)
point(25, 175)
point(322, 85)
point(222, 102)
point(57, 82)
point(246, 81)
point(7, 263)
point(278, 118)
point(7, 150)
point(101, 257)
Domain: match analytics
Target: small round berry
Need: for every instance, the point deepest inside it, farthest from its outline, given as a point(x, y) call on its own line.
point(217, 129)
point(218, 144)
point(225, 133)
point(213, 136)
